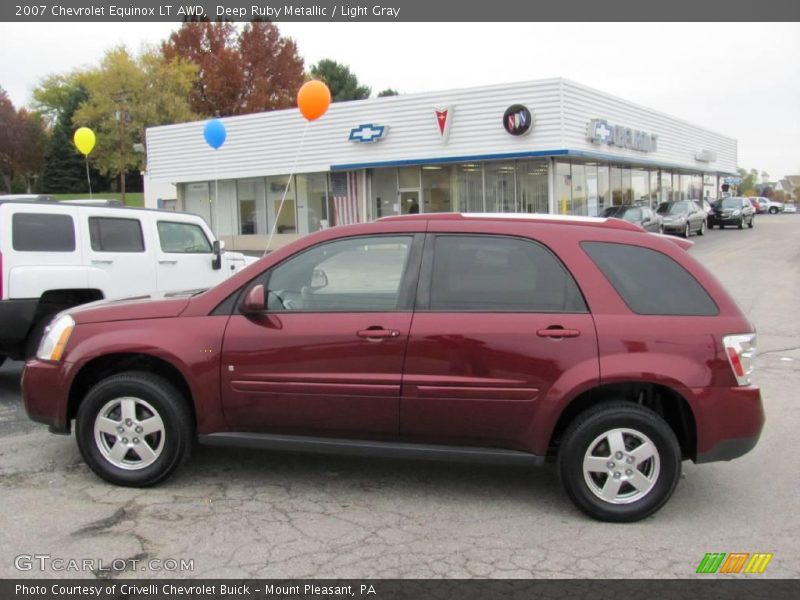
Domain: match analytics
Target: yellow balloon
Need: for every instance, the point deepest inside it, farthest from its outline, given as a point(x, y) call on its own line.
point(84, 140)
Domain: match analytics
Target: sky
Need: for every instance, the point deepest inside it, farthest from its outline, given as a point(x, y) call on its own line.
point(738, 79)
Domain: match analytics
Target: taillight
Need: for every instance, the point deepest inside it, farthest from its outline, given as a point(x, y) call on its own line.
point(741, 351)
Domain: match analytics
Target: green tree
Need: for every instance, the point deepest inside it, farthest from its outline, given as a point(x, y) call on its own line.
point(747, 187)
point(388, 92)
point(340, 80)
point(125, 96)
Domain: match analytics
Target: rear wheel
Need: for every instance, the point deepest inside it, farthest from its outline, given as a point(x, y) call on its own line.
point(773, 210)
point(619, 462)
point(134, 429)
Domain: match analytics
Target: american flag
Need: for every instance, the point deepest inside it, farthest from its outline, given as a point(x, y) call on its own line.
point(345, 198)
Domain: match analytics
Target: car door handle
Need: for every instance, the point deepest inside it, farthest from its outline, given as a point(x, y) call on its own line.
point(102, 261)
point(168, 262)
point(377, 333)
point(558, 332)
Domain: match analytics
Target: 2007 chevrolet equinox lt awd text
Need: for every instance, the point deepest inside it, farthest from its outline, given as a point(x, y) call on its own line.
point(583, 341)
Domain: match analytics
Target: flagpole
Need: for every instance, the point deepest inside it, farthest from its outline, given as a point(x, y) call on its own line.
point(286, 189)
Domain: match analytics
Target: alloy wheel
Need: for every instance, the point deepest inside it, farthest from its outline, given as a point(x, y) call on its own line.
point(621, 466)
point(129, 433)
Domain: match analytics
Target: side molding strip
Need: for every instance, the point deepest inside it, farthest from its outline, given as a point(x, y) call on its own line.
point(318, 445)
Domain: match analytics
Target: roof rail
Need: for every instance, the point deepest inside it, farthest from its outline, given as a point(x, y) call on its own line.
point(610, 222)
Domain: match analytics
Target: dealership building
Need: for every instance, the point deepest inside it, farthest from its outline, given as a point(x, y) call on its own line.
point(547, 146)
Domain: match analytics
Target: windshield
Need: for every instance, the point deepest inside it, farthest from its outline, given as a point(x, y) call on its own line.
point(673, 208)
point(731, 203)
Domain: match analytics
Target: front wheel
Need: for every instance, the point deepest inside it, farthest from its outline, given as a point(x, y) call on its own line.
point(741, 223)
point(773, 210)
point(134, 429)
point(702, 230)
point(752, 222)
point(687, 232)
point(619, 462)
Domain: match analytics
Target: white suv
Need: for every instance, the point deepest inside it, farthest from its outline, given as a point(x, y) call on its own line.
point(54, 256)
point(767, 205)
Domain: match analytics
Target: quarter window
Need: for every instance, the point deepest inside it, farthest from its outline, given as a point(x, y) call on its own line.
point(115, 235)
point(650, 283)
point(490, 273)
point(39, 232)
point(358, 274)
point(182, 238)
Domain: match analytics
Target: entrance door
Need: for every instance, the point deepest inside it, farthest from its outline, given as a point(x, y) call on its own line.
point(326, 358)
point(409, 202)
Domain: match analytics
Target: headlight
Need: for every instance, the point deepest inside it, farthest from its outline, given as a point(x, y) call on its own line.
point(55, 338)
point(736, 213)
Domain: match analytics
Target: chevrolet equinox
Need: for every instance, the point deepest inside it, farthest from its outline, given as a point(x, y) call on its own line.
point(528, 339)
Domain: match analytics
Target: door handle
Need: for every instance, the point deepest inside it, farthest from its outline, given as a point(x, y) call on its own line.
point(102, 261)
point(558, 332)
point(377, 333)
point(168, 262)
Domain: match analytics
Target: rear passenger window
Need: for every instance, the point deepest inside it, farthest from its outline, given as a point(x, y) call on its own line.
point(649, 282)
point(115, 235)
point(38, 232)
point(490, 273)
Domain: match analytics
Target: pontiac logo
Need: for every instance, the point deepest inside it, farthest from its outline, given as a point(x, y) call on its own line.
point(517, 120)
point(599, 131)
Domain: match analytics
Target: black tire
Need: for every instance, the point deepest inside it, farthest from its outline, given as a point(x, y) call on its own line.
point(702, 230)
point(741, 223)
point(593, 423)
point(688, 231)
point(752, 222)
point(773, 210)
point(168, 403)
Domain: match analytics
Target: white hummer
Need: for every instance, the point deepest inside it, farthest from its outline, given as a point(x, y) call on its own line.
point(56, 255)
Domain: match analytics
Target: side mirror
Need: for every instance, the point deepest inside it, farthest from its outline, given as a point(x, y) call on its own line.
point(216, 260)
point(254, 301)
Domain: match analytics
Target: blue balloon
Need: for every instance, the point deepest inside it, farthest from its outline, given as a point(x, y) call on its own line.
point(215, 133)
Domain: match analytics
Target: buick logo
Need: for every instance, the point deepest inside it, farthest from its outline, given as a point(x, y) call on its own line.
point(517, 119)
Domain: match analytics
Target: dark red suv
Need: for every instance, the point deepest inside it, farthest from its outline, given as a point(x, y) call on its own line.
point(586, 342)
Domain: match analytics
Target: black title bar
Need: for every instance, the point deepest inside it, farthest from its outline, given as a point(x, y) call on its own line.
point(406, 11)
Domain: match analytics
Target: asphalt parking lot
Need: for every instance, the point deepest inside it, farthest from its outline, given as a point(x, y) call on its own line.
point(239, 513)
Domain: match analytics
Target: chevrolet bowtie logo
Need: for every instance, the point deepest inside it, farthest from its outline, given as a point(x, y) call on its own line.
point(367, 133)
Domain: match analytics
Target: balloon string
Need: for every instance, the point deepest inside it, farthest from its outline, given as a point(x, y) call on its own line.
point(286, 190)
point(88, 179)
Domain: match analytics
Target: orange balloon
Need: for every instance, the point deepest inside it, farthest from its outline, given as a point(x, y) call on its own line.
point(313, 99)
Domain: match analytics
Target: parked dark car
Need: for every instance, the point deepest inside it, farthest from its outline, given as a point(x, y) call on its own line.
point(734, 210)
point(683, 217)
point(705, 206)
point(525, 339)
point(643, 216)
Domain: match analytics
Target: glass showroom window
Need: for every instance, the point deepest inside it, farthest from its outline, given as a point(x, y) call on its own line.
point(252, 213)
point(436, 191)
point(603, 188)
point(578, 205)
point(616, 186)
point(383, 189)
point(627, 187)
point(499, 186)
point(532, 186)
point(286, 220)
point(468, 187)
point(640, 184)
point(312, 201)
point(653, 188)
point(665, 187)
point(563, 187)
point(197, 200)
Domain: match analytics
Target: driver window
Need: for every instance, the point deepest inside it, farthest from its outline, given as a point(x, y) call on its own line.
point(357, 274)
